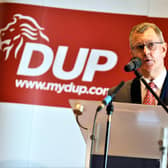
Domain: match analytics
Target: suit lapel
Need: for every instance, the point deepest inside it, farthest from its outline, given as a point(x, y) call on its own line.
point(136, 91)
point(164, 91)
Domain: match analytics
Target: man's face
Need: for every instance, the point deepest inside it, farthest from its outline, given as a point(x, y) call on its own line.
point(149, 48)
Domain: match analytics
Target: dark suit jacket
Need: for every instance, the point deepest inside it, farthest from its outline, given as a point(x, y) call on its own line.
point(131, 92)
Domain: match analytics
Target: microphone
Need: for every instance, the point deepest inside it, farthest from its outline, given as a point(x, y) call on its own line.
point(134, 64)
point(110, 97)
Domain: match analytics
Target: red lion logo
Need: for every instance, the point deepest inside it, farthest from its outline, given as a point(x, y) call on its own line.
point(13, 35)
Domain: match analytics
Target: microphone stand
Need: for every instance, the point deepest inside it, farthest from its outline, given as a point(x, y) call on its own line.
point(107, 101)
point(109, 110)
point(139, 76)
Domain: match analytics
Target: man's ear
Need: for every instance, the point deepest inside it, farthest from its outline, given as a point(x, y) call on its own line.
point(164, 48)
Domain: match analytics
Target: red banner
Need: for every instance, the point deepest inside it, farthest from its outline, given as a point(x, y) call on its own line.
point(50, 55)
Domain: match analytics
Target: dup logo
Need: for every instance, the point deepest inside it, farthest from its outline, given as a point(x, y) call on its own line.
point(14, 34)
point(24, 32)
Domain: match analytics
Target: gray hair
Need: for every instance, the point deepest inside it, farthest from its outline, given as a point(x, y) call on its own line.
point(142, 27)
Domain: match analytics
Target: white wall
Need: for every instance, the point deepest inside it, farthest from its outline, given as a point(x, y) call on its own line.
point(156, 8)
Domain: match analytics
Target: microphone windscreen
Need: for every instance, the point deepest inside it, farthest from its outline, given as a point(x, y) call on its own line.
point(134, 64)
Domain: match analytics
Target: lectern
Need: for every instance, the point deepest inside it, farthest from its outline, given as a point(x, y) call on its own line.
point(135, 132)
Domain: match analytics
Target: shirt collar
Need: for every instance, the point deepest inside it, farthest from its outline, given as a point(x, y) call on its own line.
point(159, 80)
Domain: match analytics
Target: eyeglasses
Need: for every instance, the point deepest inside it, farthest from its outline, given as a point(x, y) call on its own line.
point(150, 46)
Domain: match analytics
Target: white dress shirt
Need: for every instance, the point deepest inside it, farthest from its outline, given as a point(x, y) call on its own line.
point(158, 82)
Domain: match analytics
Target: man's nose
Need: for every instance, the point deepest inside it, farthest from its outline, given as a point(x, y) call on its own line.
point(146, 49)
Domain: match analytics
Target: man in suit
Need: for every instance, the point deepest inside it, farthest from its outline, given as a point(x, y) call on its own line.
point(147, 43)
